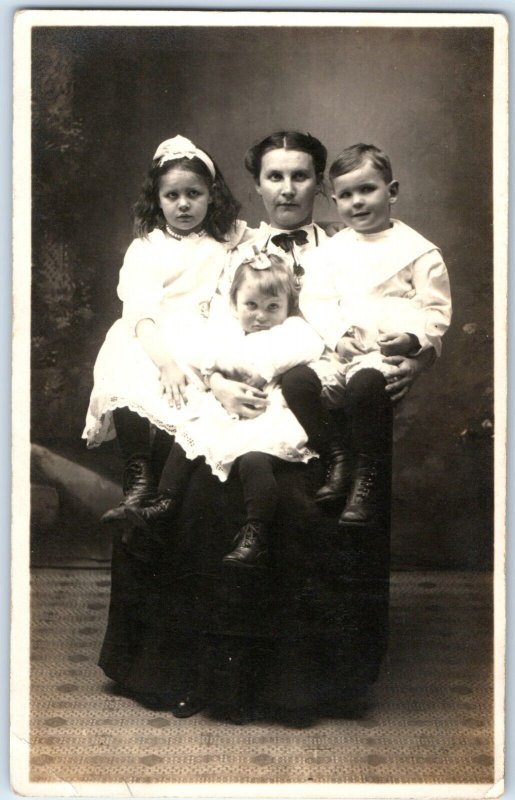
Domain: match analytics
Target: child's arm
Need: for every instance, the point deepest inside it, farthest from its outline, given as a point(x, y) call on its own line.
point(172, 377)
point(273, 352)
point(237, 397)
point(433, 297)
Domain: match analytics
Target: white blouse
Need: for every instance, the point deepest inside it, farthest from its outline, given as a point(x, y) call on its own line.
point(352, 277)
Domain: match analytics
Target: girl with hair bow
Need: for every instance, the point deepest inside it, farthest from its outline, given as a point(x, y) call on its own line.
point(185, 226)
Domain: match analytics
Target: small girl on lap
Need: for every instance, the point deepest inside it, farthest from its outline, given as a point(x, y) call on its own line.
point(263, 340)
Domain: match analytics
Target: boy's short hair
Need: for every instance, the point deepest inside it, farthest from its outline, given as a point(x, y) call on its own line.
point(353, 157)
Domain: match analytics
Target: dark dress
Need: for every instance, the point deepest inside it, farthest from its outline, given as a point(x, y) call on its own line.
point(307, 634)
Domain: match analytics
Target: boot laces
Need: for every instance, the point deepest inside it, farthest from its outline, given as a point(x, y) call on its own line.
point(365, 483)
point(250, 534)
point(131, 474)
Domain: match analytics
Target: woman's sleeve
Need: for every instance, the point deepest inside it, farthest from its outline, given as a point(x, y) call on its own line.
point(433, 295)
point(140, 286)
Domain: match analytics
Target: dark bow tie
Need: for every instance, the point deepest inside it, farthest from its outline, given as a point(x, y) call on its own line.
point(287, 240)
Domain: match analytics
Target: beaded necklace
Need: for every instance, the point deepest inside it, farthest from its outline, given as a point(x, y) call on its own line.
point(179, 236)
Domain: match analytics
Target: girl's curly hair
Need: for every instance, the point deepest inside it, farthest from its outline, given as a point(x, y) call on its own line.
point(223, 208)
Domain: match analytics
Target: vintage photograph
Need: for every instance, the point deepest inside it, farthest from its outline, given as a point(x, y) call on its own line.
point(259, 404)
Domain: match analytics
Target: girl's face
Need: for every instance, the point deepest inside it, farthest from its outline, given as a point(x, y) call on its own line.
point(184, 199)
point(287, 185)
point(363, 199)
point(259, 312)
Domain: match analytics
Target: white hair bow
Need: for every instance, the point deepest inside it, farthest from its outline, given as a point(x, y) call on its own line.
point(180, 147)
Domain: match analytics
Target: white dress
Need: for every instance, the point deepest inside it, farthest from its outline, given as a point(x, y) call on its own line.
point(221, 437)
point(172, 282)
point(391, 281)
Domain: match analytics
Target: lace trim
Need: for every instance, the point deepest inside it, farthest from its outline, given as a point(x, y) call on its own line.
point(104, 429)
point(222, 470)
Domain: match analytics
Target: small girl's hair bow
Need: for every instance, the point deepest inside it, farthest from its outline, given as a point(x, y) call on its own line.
point(258, 259)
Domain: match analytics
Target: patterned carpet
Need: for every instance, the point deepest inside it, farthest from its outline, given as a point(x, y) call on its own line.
point(429, 721)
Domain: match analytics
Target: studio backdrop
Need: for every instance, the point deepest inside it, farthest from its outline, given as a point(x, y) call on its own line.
point(104, 97)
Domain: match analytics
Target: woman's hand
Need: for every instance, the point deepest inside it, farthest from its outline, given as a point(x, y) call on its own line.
point(238, 398)
point(407, 371)
point(174, 382)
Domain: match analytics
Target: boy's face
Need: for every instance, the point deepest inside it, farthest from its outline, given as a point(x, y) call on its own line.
point(258, 312)
point(363, 199)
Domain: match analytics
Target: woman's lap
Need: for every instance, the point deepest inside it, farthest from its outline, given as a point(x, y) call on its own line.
point(301, 633)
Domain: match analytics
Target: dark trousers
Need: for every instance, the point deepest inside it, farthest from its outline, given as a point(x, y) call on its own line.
point(302, 389)
point(366, 416)
point(364, 419)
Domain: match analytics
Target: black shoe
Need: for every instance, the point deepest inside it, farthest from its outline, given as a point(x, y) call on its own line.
point(148, 516)
point(362, 506)
point(138, 485)
point(189, 705)
point(252, 546)
point(338, 475)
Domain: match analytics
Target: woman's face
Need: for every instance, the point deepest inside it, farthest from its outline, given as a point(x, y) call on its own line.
point(287, 184)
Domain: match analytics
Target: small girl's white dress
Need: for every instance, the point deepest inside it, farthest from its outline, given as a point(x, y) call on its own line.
point(221, 437)
point(172, 282)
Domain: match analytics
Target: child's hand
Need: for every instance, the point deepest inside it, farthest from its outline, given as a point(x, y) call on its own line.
point(397, 344)
point(245, 374)
point(174, 382)
point(238, 398)
point(252, 378)
point(347, 348)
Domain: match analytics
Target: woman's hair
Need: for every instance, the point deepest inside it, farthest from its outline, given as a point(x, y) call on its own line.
point(353, 157)
point(271, 282)
point(287, 140)
point(222, 211)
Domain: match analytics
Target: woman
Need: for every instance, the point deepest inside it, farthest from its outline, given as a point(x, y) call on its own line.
point(307, 637)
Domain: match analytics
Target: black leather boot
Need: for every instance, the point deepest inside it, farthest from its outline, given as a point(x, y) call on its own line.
point(252, 546)
point(153, 513)
point(138, 485)
point(340, 462)
point(362, 504)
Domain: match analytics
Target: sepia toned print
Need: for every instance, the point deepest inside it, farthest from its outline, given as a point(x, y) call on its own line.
point(352, 660)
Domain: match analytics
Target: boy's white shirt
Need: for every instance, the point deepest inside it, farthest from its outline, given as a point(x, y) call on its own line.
point(349, 278)
point(269, 353)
